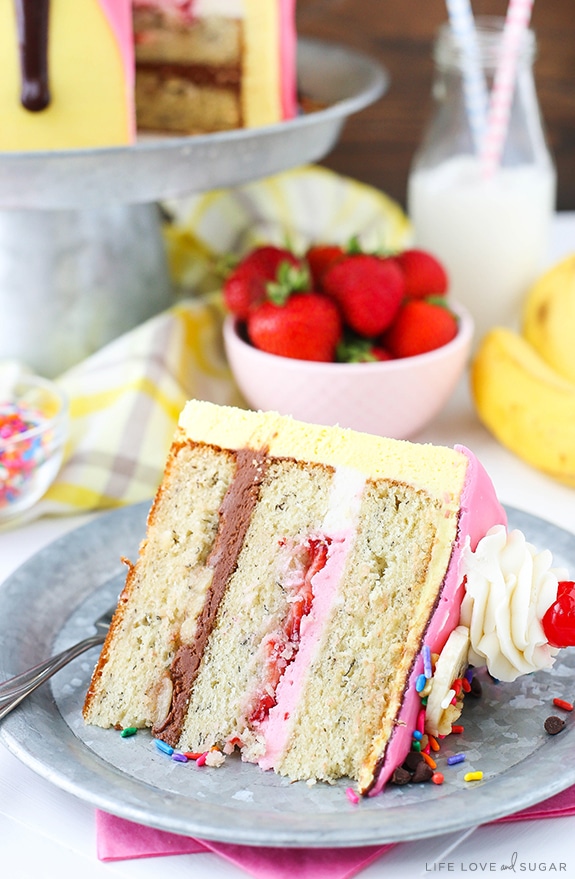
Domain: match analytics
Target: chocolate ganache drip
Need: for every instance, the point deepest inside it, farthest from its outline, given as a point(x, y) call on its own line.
point(32, 21)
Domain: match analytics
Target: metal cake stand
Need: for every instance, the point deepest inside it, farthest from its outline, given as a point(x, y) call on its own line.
point(81, 252)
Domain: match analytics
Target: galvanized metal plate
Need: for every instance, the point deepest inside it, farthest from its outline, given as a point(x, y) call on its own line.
point(51, 601)
point(155, 168)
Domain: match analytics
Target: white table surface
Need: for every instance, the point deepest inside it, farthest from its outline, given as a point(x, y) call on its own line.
point(45, 832)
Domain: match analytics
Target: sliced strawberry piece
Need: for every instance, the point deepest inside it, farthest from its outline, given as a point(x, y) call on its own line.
point(263, 706)
point(301, 606)
point(279, 645)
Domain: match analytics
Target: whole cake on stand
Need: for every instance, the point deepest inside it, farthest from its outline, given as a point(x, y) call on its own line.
point(81, 252)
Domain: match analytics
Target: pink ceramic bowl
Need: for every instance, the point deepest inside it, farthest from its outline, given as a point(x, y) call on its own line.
point(394, 398)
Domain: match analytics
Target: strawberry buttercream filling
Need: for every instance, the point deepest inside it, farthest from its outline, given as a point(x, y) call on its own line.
point(312, 573)
point(281, 646)
point(324, 580)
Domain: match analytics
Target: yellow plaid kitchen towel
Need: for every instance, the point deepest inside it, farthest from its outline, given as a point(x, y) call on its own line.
point(124, 405)
point(125, 399)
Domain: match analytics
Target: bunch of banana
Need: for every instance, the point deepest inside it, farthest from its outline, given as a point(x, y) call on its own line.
point(523, 385)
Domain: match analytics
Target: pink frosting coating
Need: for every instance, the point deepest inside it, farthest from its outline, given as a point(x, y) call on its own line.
point(288, 53)
point(480, 510)
point(119, 16)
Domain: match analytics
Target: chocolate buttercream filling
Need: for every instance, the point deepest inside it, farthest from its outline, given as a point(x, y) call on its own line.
point(235, 515)
point(200, 74)
point(32, 19)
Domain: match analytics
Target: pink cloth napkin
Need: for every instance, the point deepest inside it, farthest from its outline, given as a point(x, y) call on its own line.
point(559, 806)
point(118, 839)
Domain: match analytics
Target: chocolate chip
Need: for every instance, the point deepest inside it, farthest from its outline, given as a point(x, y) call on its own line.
point(423, 772)
point(476, 689)
point(400, 776)
point(413, 760)
point(554, 725)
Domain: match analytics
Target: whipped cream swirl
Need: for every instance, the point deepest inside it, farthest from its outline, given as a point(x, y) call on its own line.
point(509, 588)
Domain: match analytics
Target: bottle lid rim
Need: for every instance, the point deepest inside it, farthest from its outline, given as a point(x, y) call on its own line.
point(450, 51)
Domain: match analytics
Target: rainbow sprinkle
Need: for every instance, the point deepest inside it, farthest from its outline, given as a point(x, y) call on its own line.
point(20, 455)
point(427, 669)
point(420, 683)
point(455, 758)
point(562, 703)
point(128, 731)
point(178, 757)
point(473, 776)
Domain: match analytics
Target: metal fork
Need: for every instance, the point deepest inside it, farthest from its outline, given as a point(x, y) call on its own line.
point(14, 690)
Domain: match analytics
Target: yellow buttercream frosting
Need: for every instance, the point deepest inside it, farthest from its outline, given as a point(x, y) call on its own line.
point(438, 469)
point(261, 102)
point(91, 103)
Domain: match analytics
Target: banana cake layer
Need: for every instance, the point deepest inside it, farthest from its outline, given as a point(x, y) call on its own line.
point(288, 578)
point(214, 65)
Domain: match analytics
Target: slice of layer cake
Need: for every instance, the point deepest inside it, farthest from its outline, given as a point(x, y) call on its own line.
point(289, 577)
point(214, 65)
point(67, 74)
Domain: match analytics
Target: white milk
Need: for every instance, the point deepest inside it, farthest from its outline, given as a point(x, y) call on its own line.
point(491, 235)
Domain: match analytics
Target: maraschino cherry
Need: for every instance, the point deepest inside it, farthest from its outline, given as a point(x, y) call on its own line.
point(559, 620)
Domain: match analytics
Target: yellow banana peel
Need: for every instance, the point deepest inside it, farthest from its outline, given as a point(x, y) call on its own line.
point(549, 317)
point(527, 405)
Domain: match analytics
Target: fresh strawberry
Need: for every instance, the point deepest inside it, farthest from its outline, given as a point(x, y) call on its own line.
point(358, 350)
point(424, 274)
point(306, 327)
point(246, 285)
point(421, 325)
point(319, 258)
point(368, 290)
point(267, 257)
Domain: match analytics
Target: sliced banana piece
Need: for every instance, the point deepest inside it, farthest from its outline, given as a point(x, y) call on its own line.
point(452, 664)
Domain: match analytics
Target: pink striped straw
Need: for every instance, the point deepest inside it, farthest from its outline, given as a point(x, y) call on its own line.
point(516, 22)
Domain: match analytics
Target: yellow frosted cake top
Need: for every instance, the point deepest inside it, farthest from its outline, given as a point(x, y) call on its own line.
point(437, 469)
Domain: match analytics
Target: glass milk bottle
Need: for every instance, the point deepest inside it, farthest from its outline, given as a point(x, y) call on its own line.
point(489, 228)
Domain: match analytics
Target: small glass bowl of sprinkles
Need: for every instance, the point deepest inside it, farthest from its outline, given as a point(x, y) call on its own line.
point(33, 430)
